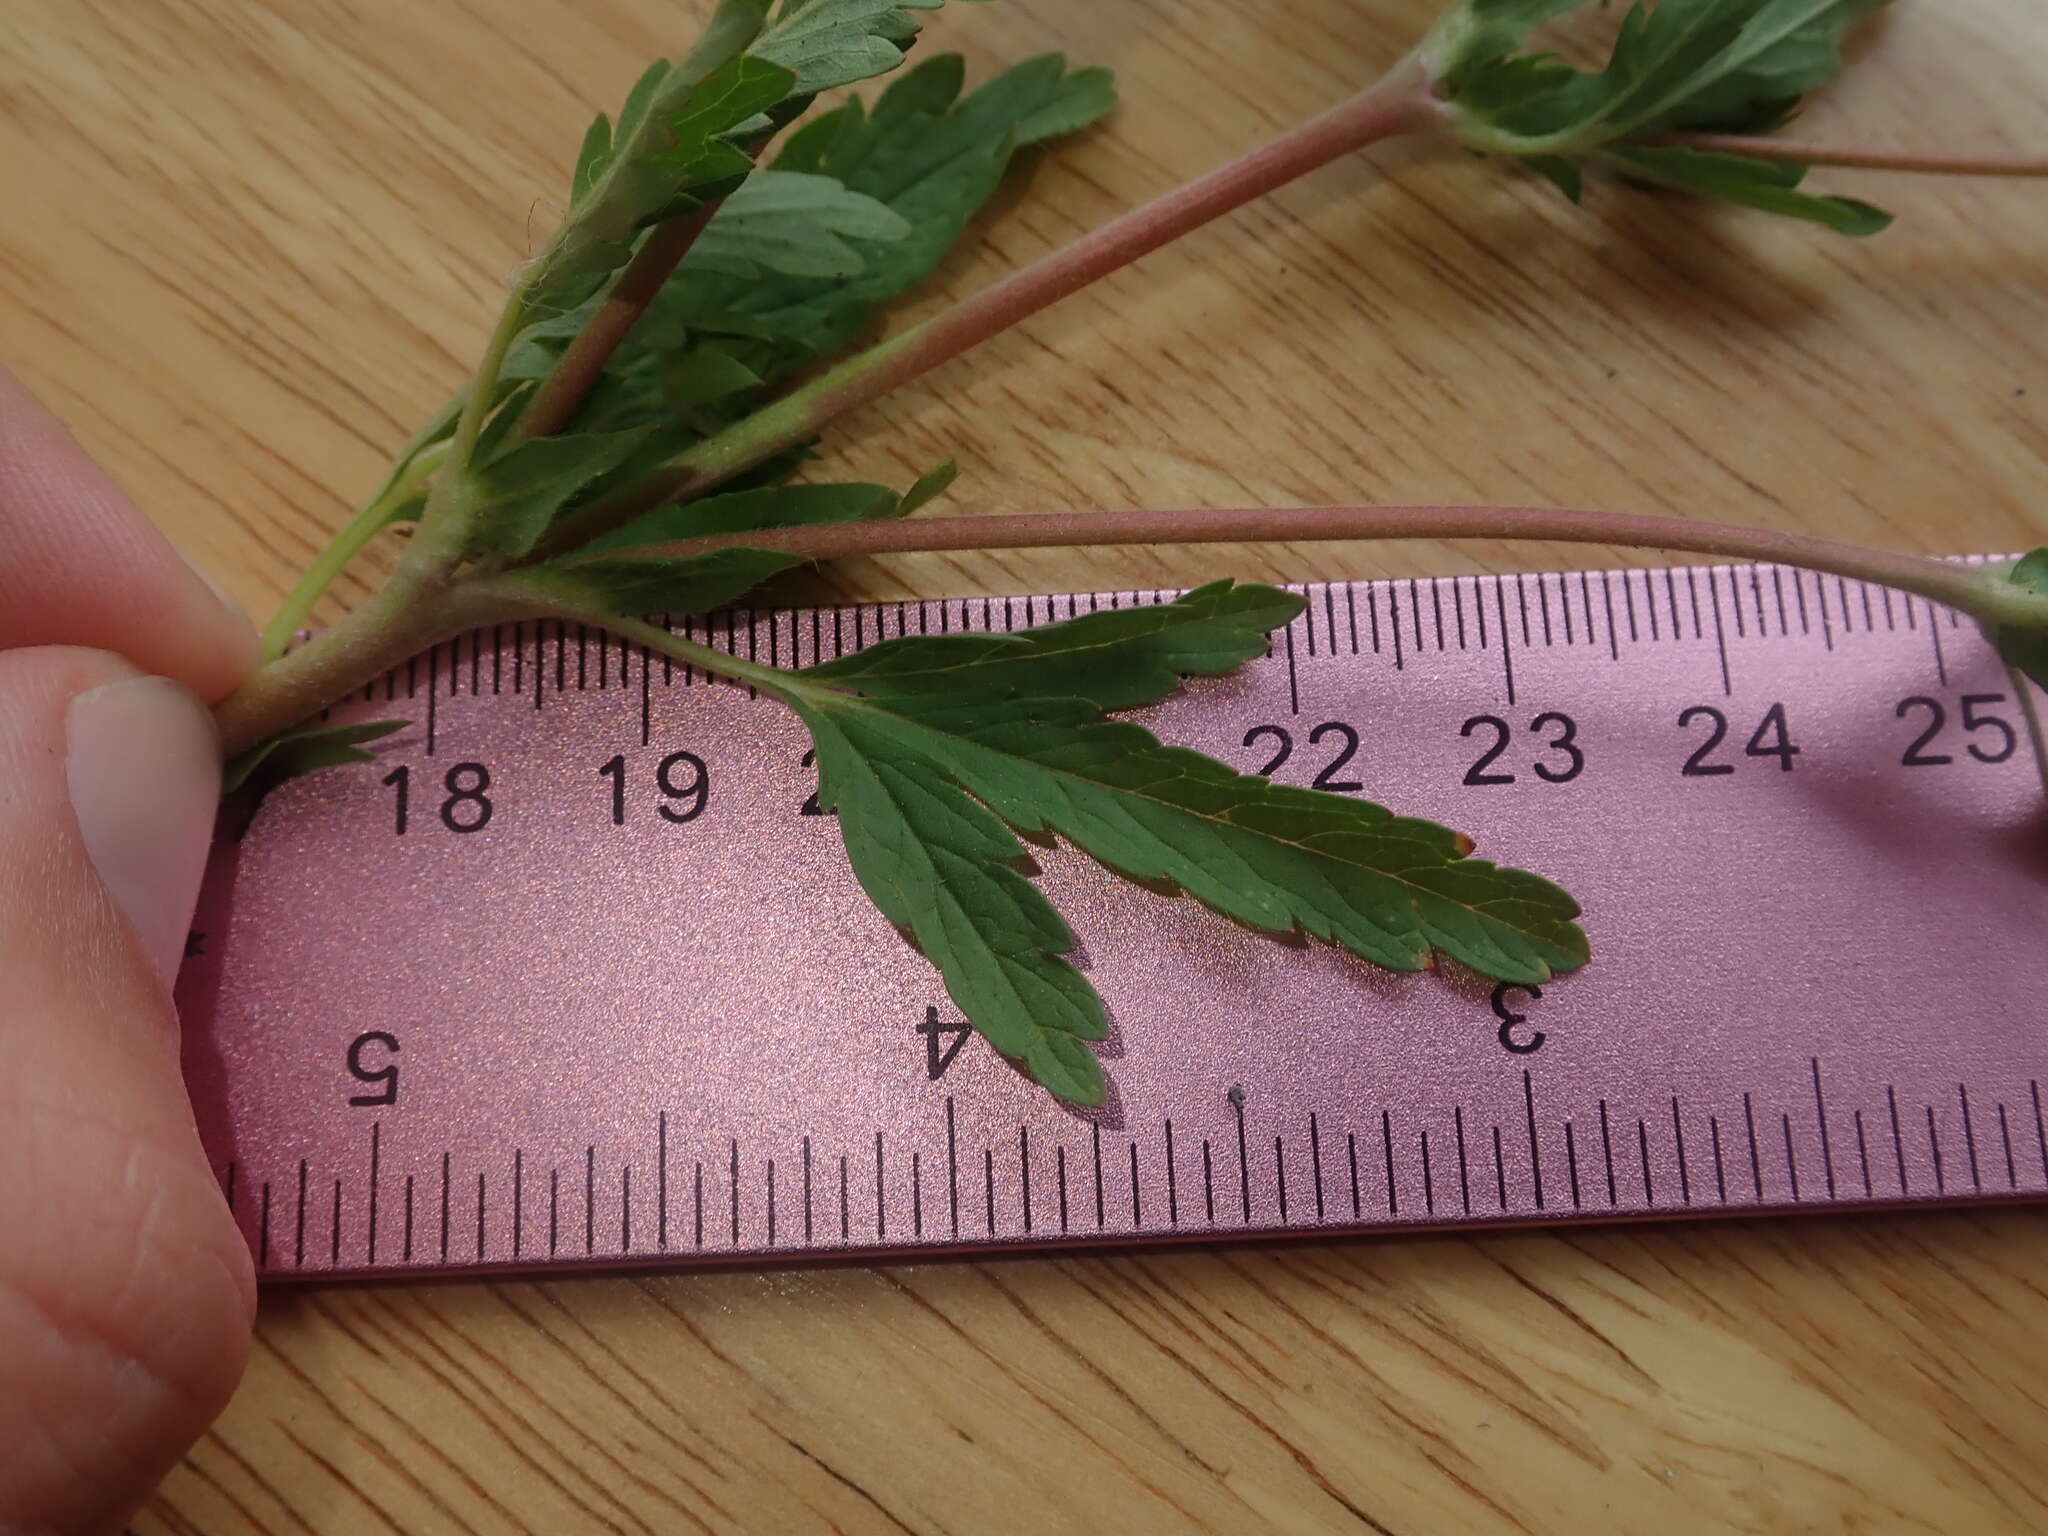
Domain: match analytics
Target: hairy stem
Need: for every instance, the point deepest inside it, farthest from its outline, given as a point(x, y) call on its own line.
point(369, 520)
point(1856, 156)
point(448, 501)
point(1397, 104)
point(1969, 588)
point(408, 615)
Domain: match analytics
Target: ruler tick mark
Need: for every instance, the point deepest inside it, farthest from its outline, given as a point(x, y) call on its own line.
point(1172, 1189)
point(1607, 1153)
point(554, 1211)
point(952, 1165)
point(881, 1202)
point(1507, 650)
point(1024, 1170)
point(1500, 1171)
point(2012, 1172)
point(697, 1203)
point(1891, 1095)
point(1208, 1184)
point(626, 1206)
point(845, 1204)
point(376, 1135)
point(1934, 1145)
point(1060, 1164)
point(1293, 680)
point(589, 1199)
point(1720, 635)
point(1863, 1156)
point(1137, 1211)
point(988, 1173)
point(518, 1202)
point(1351, 1157)
point(1535, 1145)
point(1643, 1153)
point(1571, 1167)
point(661, 1181)
point(1244, 1162)
point(2040, 1127)
point(916, 1194)
point(406, 1252)
point(1969, 1137)
point(733, 1184)
point(1720, 1172)
point(1279, 1175)
point(1791, 1156)
point(1464, 1171)
point(1678, 1141)
point(807, 1189)
point(1315, 1160)
point(1095, 1133)
point(1428, 1183)
point(1756, 1158)
point(1820, 1114)
point(334, 1236)
point(1387, 1146)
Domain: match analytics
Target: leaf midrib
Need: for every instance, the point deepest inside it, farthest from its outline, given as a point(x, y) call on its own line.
point(832, 699)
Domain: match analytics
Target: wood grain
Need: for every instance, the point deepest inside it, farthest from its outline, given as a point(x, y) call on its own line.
point(249, 243)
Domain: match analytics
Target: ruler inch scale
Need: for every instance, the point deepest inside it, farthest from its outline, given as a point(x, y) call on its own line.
point(575, 975)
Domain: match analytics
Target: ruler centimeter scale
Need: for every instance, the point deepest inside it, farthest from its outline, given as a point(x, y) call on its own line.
point(576, 975)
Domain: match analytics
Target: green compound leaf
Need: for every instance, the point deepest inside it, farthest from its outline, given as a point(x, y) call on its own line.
point(836, 42)
point(1762, 184)
point(771, 506)
point(1702, 66)
point(631, 586)
point(796, 224)
point(894, 190)
point(671, 147)
point(306, 750)
point(523, 490)
point(931, 748)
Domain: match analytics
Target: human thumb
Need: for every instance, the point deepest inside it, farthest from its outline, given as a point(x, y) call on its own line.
point(125, 1290)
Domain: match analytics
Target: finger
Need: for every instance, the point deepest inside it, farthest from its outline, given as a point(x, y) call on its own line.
point(79, 565)
point(125, 1290)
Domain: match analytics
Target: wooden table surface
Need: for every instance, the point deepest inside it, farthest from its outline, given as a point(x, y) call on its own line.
point(249, 243)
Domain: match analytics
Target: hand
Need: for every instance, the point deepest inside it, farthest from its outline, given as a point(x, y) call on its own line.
point(125, 1291)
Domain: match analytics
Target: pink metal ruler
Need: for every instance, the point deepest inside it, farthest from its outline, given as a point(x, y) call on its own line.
point(570, 977)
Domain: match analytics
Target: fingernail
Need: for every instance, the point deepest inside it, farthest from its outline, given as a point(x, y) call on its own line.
point(142, 761)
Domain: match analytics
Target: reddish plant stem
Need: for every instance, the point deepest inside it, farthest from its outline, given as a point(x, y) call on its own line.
point(1941, 580)
point(1856, 156)
point(1396, 105)
point(582, 362)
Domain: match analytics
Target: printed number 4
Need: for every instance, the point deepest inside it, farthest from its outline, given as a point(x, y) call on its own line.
point(936, 1057)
